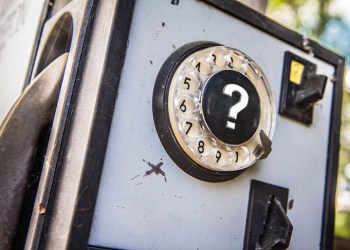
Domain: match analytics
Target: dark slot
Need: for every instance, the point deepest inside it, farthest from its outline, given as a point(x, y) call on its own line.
point(31, 190)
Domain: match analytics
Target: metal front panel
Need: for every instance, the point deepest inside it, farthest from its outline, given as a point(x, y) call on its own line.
point(133, 211)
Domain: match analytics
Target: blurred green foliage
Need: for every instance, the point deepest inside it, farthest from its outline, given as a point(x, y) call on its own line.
point(330, 29)
point(342, 222)
point(295, 5)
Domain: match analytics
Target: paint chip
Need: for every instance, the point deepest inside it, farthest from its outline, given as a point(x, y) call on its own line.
point(41, 209)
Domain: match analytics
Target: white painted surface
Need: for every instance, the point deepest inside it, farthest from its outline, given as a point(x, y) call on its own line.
point(137, 212)
point(19, 24)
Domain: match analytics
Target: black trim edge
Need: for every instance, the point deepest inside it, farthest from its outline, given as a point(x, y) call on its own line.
point(327, 235)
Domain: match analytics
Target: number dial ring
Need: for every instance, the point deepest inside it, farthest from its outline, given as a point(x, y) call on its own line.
point(168, 97)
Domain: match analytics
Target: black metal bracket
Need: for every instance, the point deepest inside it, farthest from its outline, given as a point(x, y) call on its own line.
point(265, 148)
point(267, 226)
point(301, 88)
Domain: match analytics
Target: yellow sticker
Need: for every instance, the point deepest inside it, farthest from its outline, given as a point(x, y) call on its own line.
point(296, 72)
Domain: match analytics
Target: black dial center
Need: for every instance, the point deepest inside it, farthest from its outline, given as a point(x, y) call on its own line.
point(231, 106)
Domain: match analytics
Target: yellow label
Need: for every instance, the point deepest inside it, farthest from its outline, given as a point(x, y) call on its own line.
point(296, 72)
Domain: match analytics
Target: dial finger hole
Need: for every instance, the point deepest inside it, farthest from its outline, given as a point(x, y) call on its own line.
point(252, 71)
point(229, 61)
point(186, 105)
point(218, 57)
point(238, 60)
point(203, 146)
point(223, 155)
point(204, 65)
point(235, 61)
point(189, 82)
point(241, 156)
point(192, 128)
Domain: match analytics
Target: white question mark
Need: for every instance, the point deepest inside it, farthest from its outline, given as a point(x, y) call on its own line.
point(237, 107)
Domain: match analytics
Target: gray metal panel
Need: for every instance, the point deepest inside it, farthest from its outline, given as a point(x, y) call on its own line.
point(137, 212)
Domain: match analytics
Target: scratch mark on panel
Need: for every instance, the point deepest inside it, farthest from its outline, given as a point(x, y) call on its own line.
point(135, 177)
point(154, 169)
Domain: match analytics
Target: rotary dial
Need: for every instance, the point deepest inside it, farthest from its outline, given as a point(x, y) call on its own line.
point(218, 103)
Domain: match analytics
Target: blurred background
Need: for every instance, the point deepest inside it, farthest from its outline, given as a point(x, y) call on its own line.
point(327, 21)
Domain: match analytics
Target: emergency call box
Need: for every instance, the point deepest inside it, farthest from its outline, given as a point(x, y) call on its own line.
point(199, 93)
point(193, 125)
